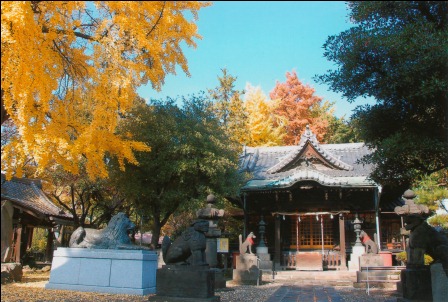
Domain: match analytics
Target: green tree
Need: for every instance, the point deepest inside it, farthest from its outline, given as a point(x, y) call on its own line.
point(92, 202)
point(191, 156)
point(341, 131)
point(431, 190)
point(397, 52)
point(229, 106)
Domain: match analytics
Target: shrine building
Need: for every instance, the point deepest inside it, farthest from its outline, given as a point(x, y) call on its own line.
point(309, 194)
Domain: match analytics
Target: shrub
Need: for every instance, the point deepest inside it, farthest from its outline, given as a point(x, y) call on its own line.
point(402, 256)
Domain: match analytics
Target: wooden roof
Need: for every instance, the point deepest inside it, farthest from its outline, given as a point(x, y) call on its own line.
point(27, 194)
point(334, 165)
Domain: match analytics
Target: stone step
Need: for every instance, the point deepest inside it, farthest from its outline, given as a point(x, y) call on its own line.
point(314, 276)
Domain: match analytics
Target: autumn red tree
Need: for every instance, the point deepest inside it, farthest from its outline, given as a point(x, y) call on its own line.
point(298, 103)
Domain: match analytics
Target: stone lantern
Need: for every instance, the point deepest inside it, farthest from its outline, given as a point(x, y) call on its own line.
point(358, 249)
point(357, 226)
point(212, 215)
point(265, 262)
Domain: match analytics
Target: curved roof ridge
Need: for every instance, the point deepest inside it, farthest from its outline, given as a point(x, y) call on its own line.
point(304, 175)
point(309, 138)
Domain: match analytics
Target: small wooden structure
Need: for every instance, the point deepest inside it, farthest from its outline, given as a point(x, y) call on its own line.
point(25, 207)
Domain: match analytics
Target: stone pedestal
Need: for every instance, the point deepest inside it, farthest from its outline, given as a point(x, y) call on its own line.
point(439, 282)
point(220, 280)
point(247, 271)
point(371, 260)
point(185, 283)
point(416, 284)
point(107, 271)
point(211, 254)
point(357, 251)
point(265, 262)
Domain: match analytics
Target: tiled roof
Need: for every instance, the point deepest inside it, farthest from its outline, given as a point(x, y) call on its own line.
point(28, 193)
point(282, 166)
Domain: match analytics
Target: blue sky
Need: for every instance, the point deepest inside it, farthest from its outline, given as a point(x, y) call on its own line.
point(258, 42)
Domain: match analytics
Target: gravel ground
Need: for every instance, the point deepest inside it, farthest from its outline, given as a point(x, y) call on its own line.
point(32, 289)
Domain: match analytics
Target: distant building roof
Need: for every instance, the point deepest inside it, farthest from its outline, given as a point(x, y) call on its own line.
point(327, 164)
point(28, 194)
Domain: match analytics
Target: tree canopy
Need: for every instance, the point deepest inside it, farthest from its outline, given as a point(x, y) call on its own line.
point(192, 156)
point(264, 127)
point(297, 104)
point(71, 68)
point(397, 52)
point(229, 106)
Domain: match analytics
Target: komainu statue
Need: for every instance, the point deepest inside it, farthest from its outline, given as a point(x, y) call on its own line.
point(188, 248)
point(114, 236)
point(423, 238)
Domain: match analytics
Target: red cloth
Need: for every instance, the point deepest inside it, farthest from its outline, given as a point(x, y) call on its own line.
point(251, 241)
point(365, 239)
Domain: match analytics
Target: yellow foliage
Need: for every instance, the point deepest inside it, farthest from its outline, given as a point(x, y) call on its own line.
point(70, 69)
point(261, 120)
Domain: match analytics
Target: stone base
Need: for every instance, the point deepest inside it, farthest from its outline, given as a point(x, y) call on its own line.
point(357, 251)
point(416, 284)
point(185, 282)
point(265, 262)
point(246, 261)
point(247, 271)
point(220, 281)
point(439, 282)
point(107, 271)
point(247, 277)
point(371, 260)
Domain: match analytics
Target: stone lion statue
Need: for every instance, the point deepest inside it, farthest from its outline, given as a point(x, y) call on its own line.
point(425, 239)
point(422, 238)
point(114, 236)
point(189, 248)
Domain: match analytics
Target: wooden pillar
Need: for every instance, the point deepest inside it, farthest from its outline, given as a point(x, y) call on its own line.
point(18, 243)
point(49, 250)
point(342, 241)
point(278, 251)
point(246, 220)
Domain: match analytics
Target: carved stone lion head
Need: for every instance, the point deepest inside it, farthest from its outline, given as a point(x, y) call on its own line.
point(119, 227)
point(201, 226)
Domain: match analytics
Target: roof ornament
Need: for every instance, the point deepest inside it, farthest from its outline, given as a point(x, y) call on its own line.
point(308, 132)
point(307, 135)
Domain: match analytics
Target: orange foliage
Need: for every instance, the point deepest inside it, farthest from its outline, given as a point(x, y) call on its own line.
point(296, 102)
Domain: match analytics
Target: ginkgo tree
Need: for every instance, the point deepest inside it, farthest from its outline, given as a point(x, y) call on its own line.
point(70, 69)
point(264, 127)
